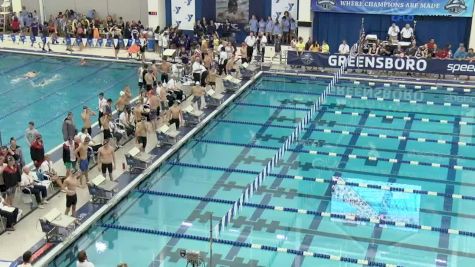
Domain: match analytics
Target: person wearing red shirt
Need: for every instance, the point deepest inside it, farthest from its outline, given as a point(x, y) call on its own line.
point(11, 178)
point(431, 47)
point(444, 53)
point(37, 151)
point(15, 25)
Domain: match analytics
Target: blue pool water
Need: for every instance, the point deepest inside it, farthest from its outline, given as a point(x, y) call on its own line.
point(352, 138)
point(62, 85)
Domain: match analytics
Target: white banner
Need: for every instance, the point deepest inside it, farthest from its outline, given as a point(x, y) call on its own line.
point(183, 14)
point(280, 6)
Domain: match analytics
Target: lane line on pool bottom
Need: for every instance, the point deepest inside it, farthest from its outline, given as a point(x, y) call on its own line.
point(380, 136)
point(323, 180)
point(398, 100)
point(270, 106)
point(406, 118)
point(354, 218)
point(350, 156)
point(306, 253)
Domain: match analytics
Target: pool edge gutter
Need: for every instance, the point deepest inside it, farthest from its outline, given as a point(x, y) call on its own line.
point(79, 231)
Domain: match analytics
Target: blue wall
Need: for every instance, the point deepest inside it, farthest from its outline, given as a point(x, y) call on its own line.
point(445, 30)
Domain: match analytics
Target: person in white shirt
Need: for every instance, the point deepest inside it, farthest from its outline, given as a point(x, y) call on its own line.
point(262, 45)
point(407, 33)
point(102, 103)
point(250, 42)
point(199, 72)
point(83, 260)
point(393, 33)
point(30, 186)
point(344, 48)
point(49, 173)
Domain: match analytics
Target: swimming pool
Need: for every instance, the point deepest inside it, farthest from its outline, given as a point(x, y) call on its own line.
point(379, 137)
point(62, 85)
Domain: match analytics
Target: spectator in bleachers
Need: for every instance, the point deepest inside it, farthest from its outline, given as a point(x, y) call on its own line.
point(300, 46)
point(344, 48)
point(470, 54)
point(315, 47)
point(325, 47)
point(431, 47)
point(444, 53)
point(29, 185)
point(411, 50)
point(460, 53)
point(308, 44)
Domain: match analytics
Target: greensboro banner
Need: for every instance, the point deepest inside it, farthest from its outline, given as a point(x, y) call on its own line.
point(457, 8)
point(404, 64)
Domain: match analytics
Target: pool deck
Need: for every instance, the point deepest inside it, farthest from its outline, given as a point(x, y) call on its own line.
point(28, 229)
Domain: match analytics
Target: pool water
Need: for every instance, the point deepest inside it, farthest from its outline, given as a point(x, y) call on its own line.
point(226, 155)
point(62, 85)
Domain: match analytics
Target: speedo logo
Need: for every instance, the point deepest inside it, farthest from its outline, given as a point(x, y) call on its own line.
point(461, 67)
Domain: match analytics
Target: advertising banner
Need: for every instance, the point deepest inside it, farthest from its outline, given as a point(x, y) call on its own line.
point(404, 64)
point(237, 11)
point(183, 14)
point(280, 6)
point(457, 8)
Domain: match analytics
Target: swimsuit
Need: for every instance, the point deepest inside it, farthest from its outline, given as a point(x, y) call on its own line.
point(84, 165)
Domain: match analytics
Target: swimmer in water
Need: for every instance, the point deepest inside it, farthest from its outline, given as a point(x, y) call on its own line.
point(82, 62)
point(30, 75)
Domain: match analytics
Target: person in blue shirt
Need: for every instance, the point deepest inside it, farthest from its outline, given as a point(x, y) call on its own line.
point(293, 28)
point(269, 28)
point(460, 53)
point(262, 25)
point(277, 30)
point(253, 25)
point(285, 30)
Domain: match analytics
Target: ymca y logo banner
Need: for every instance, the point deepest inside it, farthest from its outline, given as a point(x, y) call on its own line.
point(281, 6)
point(183, 14)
